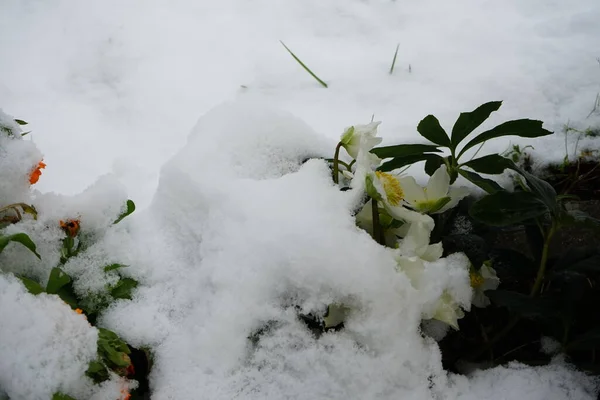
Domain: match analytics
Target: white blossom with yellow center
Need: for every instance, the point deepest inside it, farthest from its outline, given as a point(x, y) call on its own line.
point(482, 280)
point(436, 197)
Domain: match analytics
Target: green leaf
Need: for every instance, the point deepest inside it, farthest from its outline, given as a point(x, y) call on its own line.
point(67, 294)
point(404, 150)
point(130, 209)
point(504, 208)
point(124, 288)
point(579, 259)
point(540, 187)
point(20, 121)
point(97, 371)
point(430, 129)
point(467, 122)
point(58, 279)
point(486, 184)
point(32, 286)
point(432, 164)
point(586, 341)
point(19, 238)
point(523, 305)
point(400, 162)
point(490, 164)
point(61, 396)
point(113, 267)
point(304, 66)
point(522, 127)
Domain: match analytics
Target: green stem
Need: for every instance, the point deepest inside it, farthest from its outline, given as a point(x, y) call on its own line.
point(544, 260)
point(377, 231)
point(336, 167)
point(340, 162)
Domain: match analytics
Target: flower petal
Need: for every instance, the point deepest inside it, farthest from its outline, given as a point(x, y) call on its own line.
point(456, 194)
point(433, 253)
point(406, 215)
point(413, 193)
point(438, 184)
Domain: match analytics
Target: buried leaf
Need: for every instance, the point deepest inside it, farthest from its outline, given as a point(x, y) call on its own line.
point(19, 238)
point(130, 209)
point(336, 315)
point(58, 279)
point(32, 286)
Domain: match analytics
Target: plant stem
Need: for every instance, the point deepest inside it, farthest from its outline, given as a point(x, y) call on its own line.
point(377, 231)
point(336, 166)
point(542, 269)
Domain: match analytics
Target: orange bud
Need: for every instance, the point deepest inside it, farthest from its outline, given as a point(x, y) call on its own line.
point(36, 173)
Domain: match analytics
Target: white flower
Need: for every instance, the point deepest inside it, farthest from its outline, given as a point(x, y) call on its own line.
point(482, 280)
point(447, 310)
point(360, 137)
point(415, 243)
point(386, 188)
point(437, 197)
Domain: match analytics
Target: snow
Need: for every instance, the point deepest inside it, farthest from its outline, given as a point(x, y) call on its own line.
point(236, 232)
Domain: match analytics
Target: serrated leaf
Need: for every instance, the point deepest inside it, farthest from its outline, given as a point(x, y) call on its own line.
point(130, 209)
point(521, 127)
point(19, 238)
point(433, 164)
point(486, 184)
point(430, 129)
point(123, 288)
point(400, 162)
point(32, 286)
point(504, 208)
point(113, 267)
point(490, 164)
point(404, 150)
point(467, 122)
point(58, 279)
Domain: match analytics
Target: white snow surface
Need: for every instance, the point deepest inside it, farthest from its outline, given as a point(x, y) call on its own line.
point(235, 230)
point(113, 85)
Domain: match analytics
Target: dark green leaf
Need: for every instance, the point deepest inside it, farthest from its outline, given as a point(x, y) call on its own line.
point(522, 127)
point(61, 396)
point(123, 288)
point(486, 184)
point(20, 121)
point(467, 122)
point(67, 294)
point(511, 264)
point(579, 259)
point(19, 238)
point(400, 162)
point(586, 341)
point(433, 164)
point(404, 150)
point(58, 279)
point(523, 305)
point(490, 164)
point(505, 208)
point(97, 371)
point(540, 187)
point(32, 286)
point(431, 130)
point(130, 209)
point(112, 267)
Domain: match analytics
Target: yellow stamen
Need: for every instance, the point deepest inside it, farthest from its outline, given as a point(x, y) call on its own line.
point(391, 186)
point(476, 279)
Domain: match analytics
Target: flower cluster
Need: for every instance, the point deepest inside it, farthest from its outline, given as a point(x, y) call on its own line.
point(399, 213)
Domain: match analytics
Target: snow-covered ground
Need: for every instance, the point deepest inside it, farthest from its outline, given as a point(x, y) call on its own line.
point(231, 227)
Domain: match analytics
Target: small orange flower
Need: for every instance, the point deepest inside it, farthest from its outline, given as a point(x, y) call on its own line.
point(79, 311)
point(125, 393)
point(71, 227)
point(36, 173)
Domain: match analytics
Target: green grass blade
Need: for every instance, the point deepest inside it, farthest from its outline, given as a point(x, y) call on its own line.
point(304, 66)
point(394, 60)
